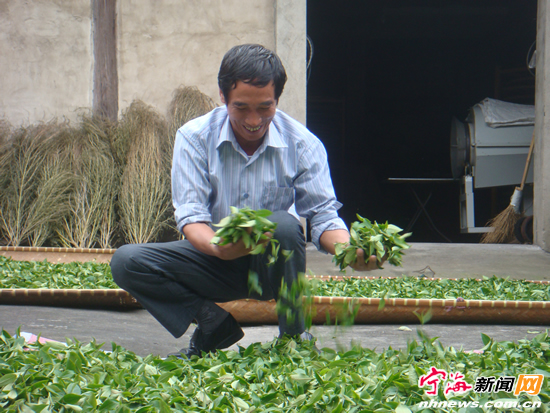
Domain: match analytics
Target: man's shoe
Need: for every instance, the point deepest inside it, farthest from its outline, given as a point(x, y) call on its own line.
point(225, 335)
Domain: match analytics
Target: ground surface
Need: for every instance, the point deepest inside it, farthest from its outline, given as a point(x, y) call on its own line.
point(136, 330)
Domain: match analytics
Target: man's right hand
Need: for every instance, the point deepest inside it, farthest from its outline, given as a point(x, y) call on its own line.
point(236, 250)
point(200, 235)
point(231, 251)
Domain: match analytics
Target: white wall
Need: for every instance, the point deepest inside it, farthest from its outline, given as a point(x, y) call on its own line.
point(45, 59)
point(541, 207)
point(162, 45)
point(290, 23)
point(46, 51)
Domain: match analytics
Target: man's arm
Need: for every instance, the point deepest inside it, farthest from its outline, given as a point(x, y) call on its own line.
point(329, 238)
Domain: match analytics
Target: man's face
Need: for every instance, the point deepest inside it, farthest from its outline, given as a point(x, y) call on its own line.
point(251, 109)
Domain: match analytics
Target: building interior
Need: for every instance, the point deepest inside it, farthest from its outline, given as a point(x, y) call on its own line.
point(385, 79)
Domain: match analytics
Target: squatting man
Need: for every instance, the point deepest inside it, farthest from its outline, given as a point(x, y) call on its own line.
point(244, 153)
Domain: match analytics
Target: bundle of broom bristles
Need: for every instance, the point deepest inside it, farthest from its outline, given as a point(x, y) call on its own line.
point(94, 184)
point(503, 225)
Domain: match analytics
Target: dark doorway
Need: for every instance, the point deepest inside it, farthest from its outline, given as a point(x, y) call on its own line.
point(385, 80)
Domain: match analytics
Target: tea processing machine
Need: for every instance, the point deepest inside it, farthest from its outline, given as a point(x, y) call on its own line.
point(489, 149)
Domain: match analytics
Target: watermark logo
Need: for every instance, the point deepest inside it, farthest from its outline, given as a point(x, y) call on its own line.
point(454, 382)
point(529, 383)
point(432, 380)
point(494, 385)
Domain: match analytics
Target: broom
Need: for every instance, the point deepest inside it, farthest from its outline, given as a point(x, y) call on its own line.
point(503, 224)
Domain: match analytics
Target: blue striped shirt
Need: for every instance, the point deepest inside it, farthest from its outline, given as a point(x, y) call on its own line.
point(289, 171)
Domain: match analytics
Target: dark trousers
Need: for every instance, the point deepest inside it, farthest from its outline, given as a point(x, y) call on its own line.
point(173, 279)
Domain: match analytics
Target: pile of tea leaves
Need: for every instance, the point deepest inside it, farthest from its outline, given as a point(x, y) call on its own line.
point(278, 376)
point(253, 228)
point(44, 274)
point(381, 240)
point(486, 288)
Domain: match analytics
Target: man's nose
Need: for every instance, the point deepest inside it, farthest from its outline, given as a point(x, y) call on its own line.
point(254, 119)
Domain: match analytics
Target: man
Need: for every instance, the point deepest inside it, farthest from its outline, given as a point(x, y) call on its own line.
point(246, 153)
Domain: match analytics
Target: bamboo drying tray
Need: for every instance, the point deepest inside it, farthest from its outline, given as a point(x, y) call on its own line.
point(249, 311)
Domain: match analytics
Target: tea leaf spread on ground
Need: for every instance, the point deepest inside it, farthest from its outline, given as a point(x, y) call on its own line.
point(89, 275)
point(488, 288)
point(278, 376)
point(43, 274)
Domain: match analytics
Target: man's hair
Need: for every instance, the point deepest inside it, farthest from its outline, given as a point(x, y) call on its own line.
point(253, 64)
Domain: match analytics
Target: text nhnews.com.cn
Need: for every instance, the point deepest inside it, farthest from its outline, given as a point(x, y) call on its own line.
point(501, 404)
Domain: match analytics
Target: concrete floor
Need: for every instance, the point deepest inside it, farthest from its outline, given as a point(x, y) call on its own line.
point(527, 262)
point(137, 331)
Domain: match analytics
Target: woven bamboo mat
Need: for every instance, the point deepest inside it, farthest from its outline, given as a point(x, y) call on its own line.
point(369, 310)
point(59, 249)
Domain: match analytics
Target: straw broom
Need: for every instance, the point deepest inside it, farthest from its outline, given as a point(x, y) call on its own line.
point(503, 224)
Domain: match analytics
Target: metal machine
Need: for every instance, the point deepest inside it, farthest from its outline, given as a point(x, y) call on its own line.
point(490, 149)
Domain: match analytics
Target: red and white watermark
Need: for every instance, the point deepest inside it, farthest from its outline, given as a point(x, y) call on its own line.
point(454, 382)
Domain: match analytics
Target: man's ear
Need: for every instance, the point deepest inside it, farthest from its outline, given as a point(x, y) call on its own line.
point(222, 97)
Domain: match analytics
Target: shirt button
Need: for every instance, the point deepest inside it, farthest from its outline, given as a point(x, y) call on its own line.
point(245, 196)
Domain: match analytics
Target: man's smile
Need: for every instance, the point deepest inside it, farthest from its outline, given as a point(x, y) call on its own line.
point(252, 129)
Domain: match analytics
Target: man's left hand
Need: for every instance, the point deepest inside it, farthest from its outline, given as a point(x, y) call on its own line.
point(361, 264)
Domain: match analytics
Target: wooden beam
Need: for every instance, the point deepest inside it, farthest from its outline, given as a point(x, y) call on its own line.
point(105, 87)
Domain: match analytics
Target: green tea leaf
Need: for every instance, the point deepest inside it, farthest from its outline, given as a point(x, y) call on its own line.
point(373, 238)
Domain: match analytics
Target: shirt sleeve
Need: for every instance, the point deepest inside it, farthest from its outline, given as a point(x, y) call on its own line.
point(315, 197)
point(190, 181)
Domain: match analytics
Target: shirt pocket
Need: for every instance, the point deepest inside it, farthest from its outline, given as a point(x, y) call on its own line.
point(277, 198)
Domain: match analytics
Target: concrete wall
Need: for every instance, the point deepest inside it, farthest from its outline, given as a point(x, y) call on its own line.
point(162, 45)
point(290, 26)
point(45, 59)
point(541, 205)
point(46, 51)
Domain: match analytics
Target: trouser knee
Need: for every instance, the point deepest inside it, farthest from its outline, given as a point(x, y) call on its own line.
point(120, 262)
point(289, 232)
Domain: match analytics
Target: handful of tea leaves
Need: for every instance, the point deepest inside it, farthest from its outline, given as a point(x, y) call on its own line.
point(251, 226)
point(373, 238)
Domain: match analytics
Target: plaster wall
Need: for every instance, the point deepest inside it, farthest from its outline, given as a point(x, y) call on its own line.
point(45, 59)
point(46, 51)
point(541, 205)
point(162, 45)
point(290, 26)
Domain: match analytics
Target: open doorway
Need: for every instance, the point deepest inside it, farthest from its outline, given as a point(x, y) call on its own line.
point(385, 80)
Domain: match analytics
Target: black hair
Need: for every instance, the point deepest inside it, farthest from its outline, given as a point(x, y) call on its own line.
point(253, 64)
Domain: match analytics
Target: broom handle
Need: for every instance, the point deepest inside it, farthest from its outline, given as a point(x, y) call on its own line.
point(528, 162)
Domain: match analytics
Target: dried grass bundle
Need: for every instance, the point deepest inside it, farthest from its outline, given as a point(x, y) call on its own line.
point(187, 103)
point(91, 217)
point(111, 176)
point(34, 184)
point(5, 132)
point(144, 198)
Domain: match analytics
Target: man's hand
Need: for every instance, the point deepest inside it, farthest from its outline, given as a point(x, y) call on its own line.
point(329, 238)
point(371, 264)
point(237, 249)
point(200, 235)
point(231, 251)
